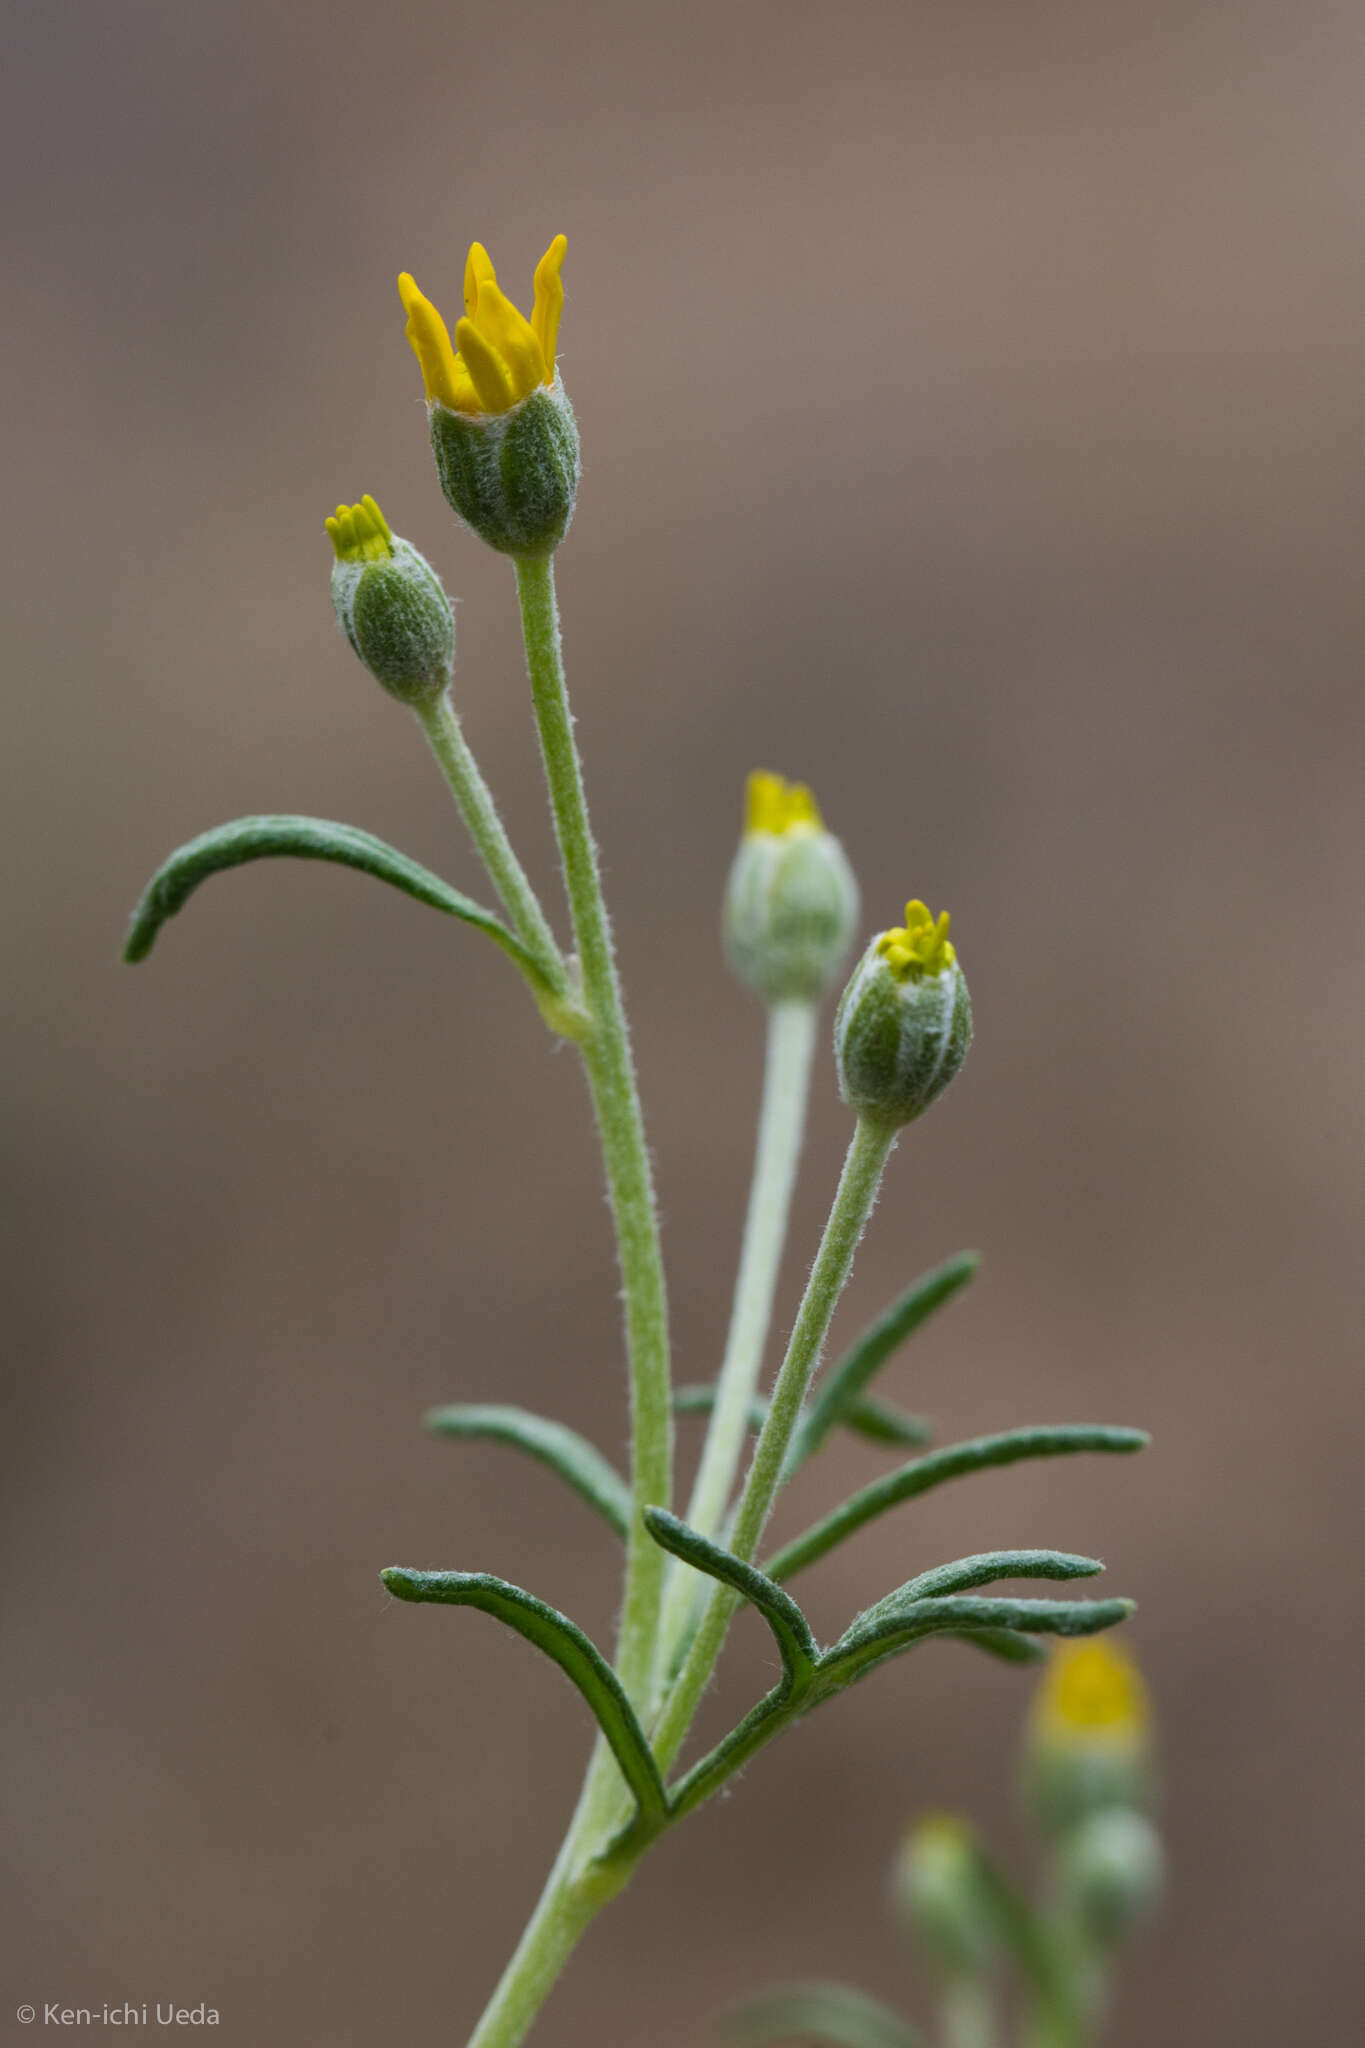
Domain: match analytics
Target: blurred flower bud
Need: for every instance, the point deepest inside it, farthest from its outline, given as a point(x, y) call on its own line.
point(1088, 1745)
point(502, 430)
point(791, 903)
point(904, 1022)
point(937, 1887)
point(1110, 1869)
point(390, 605)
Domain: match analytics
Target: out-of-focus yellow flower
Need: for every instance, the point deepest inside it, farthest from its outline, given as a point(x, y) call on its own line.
point(776, 805)
point(1092, 1692)
point(500, 357)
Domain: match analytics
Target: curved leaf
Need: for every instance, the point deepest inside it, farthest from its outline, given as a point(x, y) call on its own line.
point(954, 1461)
point(844, 1382)
point(878, 1634)
point(798, 1647)
point(576, 1655)
point(1006, 1644)
point(987, 1566)
point(878, 1421)
point(553, 1443)
point(835, 2015)
point(248, 839)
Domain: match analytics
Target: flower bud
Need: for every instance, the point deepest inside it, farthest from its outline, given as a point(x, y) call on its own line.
point(390, 605)
point(937, 1887)
point(1110, 1869)
point(791, 903)
point(502, 431)
point(904, 1022)
point(1088, 1746)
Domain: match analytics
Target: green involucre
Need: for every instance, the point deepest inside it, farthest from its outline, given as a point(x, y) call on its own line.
point(512, 477)
point(398, 620)
point(899, 1043)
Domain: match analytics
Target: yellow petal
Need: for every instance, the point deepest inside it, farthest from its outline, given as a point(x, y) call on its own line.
point(478, 271)
point(430, 343)
point(510, 335)
point(549, 303)
point(486, 369)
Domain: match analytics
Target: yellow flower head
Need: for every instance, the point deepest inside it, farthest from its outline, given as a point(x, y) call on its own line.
point(1092, 1693)
point(918, 947)
point(360, 533)
point(774, 805)
point(503, 357)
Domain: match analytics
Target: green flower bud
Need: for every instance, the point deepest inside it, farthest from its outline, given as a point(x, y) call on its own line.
point(1088, 1746)
point(1111, 1869)
point(390, 605)
point(511, 476)
point(904, 1022)
point(937, 1888)
point(791, 904)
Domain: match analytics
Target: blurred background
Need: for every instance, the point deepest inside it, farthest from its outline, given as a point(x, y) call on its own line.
point(972, 408)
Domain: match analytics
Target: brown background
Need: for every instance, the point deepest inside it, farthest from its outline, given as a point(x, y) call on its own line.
point(972, 404)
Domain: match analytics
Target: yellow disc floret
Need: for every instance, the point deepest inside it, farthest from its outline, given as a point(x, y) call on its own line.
point(918, 947)
point(360, 533)
point(500, 357)
point(1092, 1692)
point(778, 806)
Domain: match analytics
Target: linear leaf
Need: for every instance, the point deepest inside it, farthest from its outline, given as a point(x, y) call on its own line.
point(553, 1443)
point(986, 1567)
point(847, 1379)
point(576, 1655)
point(878, 1421)
point(876, 1636)
point(249, 839)
point(797, 1645)
point(954, 1461)
point(833, 2014)
point(1005, 1643)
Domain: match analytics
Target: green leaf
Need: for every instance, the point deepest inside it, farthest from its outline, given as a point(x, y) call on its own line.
point(878, 1421)
point(845, 1381)
point(553, 1443)
point(835, 2015)
point(1004, 1643)
point(954, 1461)
point(986, 1567)
point(798, 1647)
point(577, 1656)
point(885, 1632)
point(248, 839)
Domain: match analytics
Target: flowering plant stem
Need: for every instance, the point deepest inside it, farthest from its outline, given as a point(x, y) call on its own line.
point(781, 1128)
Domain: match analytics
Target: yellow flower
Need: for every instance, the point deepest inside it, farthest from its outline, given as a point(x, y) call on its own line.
point(775, 805)
point(918, 947)
point(1092, 1693)
point(503, 357)
point(360, 533)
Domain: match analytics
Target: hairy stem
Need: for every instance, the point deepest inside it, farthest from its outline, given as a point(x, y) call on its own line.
point(474, 800)
point(611, 1078)
point(781, 1127)
point(857, 1192)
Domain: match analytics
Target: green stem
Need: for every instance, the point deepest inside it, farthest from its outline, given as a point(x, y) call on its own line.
point(853, 1202)
point(611, 1078)
point(474, 800)
point(781, 1127)
point(967, 2015)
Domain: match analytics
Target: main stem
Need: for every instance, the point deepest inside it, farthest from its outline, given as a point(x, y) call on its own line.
point(857, 1192)
point(474, 800)
point(611, 1078)
point(781, 1127)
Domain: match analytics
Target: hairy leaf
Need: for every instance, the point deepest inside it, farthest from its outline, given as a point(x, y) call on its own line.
point(885, 1631)
point(249, 839)
point(845, 1381)
point(797, 1645)
point(577, 1656)
point(954, 1461)
point(553, 1443)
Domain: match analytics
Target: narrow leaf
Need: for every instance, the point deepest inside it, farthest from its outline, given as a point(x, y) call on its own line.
point(575, 1654)
point(797, 1645)
point(553, 1443)
point(834, 2015)
point(876, 1636)
point(954, 1461)
point(249, 839)
point(1005, 1643)
point(878, 1421)
point(989, 1565)
point(846, 1380)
